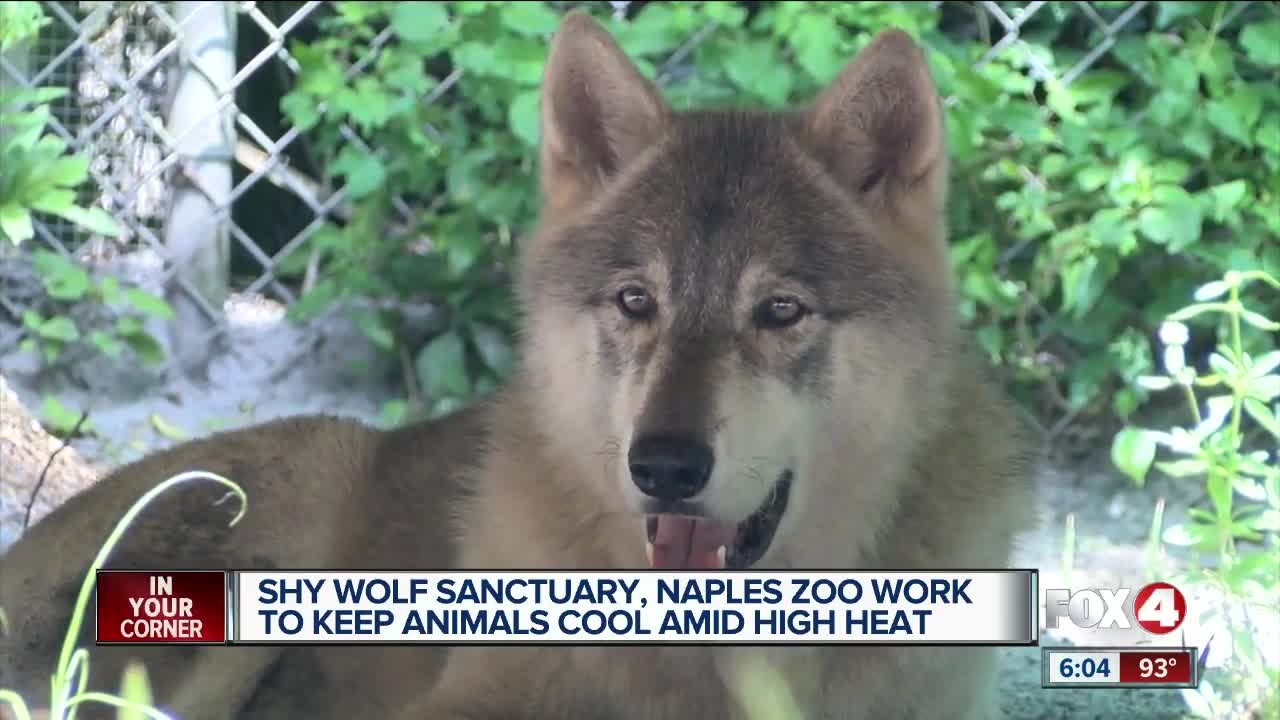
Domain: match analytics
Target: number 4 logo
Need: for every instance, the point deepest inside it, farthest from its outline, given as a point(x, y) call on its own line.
point(1160, 608)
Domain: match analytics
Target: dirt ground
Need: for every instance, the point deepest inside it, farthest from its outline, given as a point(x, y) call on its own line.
point(270, 369)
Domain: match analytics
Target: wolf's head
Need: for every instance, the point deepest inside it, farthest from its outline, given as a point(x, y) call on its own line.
point(736, 318)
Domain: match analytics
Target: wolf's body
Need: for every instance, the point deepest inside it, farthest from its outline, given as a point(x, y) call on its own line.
point(733, 319)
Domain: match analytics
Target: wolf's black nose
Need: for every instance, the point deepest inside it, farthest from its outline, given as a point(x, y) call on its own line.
point(670, 467)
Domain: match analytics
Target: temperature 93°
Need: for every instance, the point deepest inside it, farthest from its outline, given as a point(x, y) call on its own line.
point(1155, 667)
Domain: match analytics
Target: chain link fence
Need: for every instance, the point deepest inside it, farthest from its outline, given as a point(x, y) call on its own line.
point(176, 104)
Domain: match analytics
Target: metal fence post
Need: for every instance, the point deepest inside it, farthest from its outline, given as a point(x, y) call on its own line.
point(197, 229)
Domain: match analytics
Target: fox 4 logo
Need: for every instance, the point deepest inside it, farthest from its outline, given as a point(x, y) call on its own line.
point(1158, 608)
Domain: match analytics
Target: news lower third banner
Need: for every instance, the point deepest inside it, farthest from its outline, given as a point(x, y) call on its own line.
point(964, 607)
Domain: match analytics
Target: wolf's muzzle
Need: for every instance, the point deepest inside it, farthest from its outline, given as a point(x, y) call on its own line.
point(670, 467)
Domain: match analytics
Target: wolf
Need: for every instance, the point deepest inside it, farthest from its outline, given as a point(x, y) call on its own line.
point(739, 350)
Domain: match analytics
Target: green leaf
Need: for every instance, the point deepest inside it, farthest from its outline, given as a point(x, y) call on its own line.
point(32, 320)
point(168, 429)
point(976, 88)
point(33, 96)
point(374, 327)
point(1133, 450)
point(27, 136)
point(442, 367)
point(302, 110)
point(466, 179)
point(149, 304)
point(1098, 86)
point(15, 223)
point(1263, 415)
point(1170, 107)
point(394, 413)
point(523, 115)
point(1155, 382)
point(519, 59)
point(1092, 177)
point(494, 348)
point(407, 74)
point(816, 42)
point(93, 219)
point(418, 21)
point(355, 12)
point(1259, 321)
point(1268, 520)
point(1211, 291)
point(1025, 120)
point(1168, 12)
point(755, 67)
point(135, 688)
point(364, 171)
point(1218, 487)
point(145, 347)
point(370, 103)
point(59, 328)
point(1081, 285)
point(1198, 140)
point(69, 171)
point(1196, 309)
point(652, 32)
point(70, 285)
point(1174, 220)
point(444, 406)
point(463, 252)
point(1185, 535)
point(1125, 402)
point(1226, 197)
point(106, 343)
point(56, 201)
point(59, 418)
point(1261, 42)
point(1235, 115)
point(529, 18)
point(1182, 468)
point(1265, 364)
point(128, 325)
point(475, 57)
point(109, 287)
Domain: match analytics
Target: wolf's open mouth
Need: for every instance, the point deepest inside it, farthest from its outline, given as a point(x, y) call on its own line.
point(679, 542)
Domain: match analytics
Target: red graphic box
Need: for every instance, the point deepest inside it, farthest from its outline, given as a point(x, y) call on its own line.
point(162, 607)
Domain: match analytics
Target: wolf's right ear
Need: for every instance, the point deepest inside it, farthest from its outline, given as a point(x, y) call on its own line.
point(598, 112)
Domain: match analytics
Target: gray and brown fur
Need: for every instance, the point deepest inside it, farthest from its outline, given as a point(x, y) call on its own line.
point(904, 455)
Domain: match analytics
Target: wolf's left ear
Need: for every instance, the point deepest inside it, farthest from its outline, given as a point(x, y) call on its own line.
point(598, 111)
point(879, 125)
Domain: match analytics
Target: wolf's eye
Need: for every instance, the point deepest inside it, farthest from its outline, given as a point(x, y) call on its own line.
point(780, 311)
point(636, 302)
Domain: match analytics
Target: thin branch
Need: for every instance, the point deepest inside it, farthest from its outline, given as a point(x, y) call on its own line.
point(286, 178)
point(35, 492)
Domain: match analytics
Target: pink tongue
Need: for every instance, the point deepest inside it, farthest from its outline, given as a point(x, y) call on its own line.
point(683, 543)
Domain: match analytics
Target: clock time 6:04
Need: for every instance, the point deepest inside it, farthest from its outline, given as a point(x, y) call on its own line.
point(1087, 667)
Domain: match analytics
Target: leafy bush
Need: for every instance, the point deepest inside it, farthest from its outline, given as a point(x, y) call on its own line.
point(1091, 215)
point(1081, 213)
point(40, 176)
point(66, 284)
point(1232, 445)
